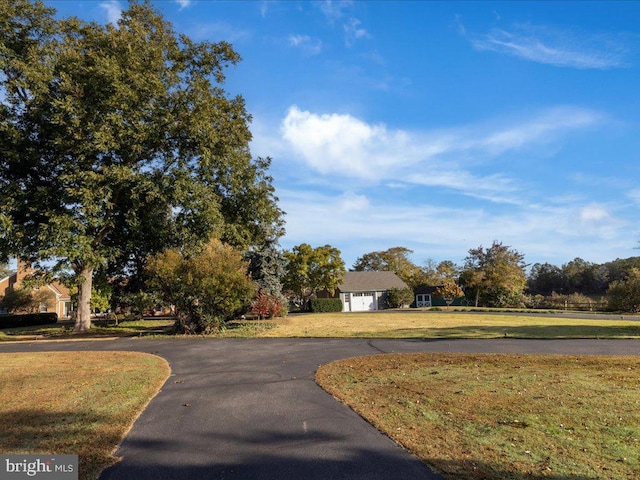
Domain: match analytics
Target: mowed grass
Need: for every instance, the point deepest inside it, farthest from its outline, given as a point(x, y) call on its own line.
point(489, 417)
point(420, 324)
point(74, 402)
point(64, 330)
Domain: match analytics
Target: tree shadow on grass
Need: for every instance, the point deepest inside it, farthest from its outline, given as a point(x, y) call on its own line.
point(313, 463)
point(529, 332)
point(28, 431)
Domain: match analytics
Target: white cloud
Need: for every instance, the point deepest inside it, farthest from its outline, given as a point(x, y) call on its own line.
point(544, 126)
point(343, 146)
point(264, 8)
point(305, 43)
point(334, 143)
point(459, 26)
point(219, 31)
point(113, 11)
point(593, 214)
point(634, 195)
point(334, 9)
point(183, 3)
point(555, 47)
point(435, 231)
point(352, 202)
point(353, 31)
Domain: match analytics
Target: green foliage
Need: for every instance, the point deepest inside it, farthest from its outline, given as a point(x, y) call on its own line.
point(139, 303)
point(584, 277)
point(207, 288)
point(119, 142)
point(310, 270)
point(399, 297)
point(100, 299)
point(325, 305)
point(269, 306)
point(624, 295)
point(267, 268)
point(395, 259)
point(495, 276)
point(27, 320)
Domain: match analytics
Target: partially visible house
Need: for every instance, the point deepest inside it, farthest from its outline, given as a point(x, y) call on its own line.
point(425, 297)
point(362, 291)
point(55, 298)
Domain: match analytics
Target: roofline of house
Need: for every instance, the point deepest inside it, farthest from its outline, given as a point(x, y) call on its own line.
point(8, 277)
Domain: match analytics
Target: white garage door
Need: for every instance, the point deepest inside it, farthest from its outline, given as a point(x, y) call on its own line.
point(361, 302)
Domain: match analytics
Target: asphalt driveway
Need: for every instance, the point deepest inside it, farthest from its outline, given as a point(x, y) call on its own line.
point(250, 409)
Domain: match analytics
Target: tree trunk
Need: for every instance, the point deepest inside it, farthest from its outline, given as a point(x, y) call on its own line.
point(83, 318)
point(477, 296)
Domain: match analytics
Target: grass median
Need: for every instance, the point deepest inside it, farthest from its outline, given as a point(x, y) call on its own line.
point(420, 324)
point(499, 417)
point(74, 402)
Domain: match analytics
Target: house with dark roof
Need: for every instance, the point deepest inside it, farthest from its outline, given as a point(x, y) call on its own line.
point(363, 291)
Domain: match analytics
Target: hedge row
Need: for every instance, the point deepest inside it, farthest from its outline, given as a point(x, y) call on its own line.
point(326, 305)
point(27, 319)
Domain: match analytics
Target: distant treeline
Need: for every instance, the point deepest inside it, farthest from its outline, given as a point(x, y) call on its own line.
point(578, 276)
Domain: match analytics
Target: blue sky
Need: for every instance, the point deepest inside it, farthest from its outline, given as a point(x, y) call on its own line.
point(438, 126)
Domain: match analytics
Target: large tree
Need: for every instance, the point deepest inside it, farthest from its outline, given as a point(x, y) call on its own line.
point(494, 275)
point(624, 295)
point(119, 141)
point(395, 259)
point(310, 270)
point(544, 279)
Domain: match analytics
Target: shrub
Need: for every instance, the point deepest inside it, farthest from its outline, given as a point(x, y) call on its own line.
point(28, 320)
point(624, 295)
point(398, 297)
point(268, 306)
point(207, 289)
point(574, 301)
point(326, 305)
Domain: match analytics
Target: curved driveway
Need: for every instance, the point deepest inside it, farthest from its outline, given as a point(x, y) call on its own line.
point(249, 408)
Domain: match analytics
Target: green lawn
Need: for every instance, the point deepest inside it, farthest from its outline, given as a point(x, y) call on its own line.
point(501, 417)
point(424, 324)
point(63, 330)
point(383, 324)
point(74, 402)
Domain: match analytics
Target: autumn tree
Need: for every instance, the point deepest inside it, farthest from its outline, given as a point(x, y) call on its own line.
point(207, 288)
point(118, 141)
point(310, 270)
point(495, 276)
point(435, 273)
point(449, 290)
point(395, 259)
